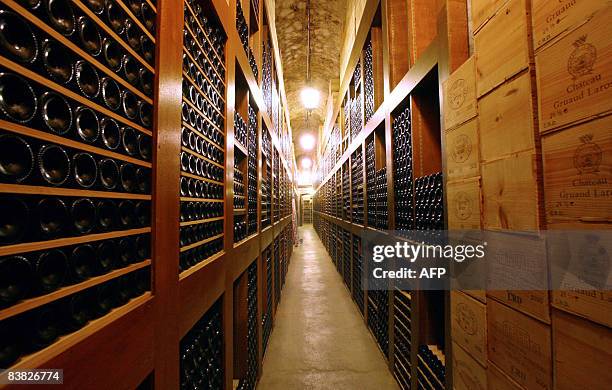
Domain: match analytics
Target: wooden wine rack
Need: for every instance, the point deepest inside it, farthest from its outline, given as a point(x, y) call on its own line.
point(379, 83)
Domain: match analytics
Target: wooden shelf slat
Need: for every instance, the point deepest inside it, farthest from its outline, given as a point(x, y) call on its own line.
point(188, 199)
point(197, 244)
point(129, 12)
point(32, 303)
point(192, 176)
point(202, 264)
point(199, 221)
point(70, 94)
point(58, 191)
point(213, 143)
point(60, 242)
point(198, 155)
point(113, 34)
point(238, 145)
point(49, 137)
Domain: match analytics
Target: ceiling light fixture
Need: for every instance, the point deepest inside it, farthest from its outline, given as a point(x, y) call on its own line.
point(307, 141)
point(310, 98)
point(306, 163)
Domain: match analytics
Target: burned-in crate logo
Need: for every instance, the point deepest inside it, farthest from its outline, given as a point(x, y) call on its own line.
point(466, 319)
point(462, 148)
point(588, 156)
point(457, 93)
point(463, 205)
point(582, 59)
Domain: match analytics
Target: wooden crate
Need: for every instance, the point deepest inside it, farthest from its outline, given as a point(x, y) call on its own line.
point(483, 10)
point(481, 295)
point(510, 195)
point(464, 204)
point(507, 119)
point(534, 303)
point(463, 157)
point(469, 325)
point(497, 380)
point(460, 103)
point(502, 46)
point(575, 74)
point(468, 374)
point(553, 18)
point(520, 346)
point(578, 173)
point(583, 352)
point(594, 305)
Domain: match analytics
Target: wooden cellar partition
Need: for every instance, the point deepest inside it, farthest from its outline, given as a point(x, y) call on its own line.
point(143, 147)
point(392, 154)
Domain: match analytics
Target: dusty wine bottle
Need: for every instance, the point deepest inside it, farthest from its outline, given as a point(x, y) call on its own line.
point(17, 38)
point(53, 164)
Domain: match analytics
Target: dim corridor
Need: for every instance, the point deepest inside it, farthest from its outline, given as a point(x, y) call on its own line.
point(320, 340)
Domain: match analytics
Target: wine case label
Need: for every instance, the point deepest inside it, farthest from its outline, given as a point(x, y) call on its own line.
point(575, 74)
point(578, 173)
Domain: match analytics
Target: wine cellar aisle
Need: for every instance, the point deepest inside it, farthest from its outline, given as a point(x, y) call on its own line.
point(319, 337)
point(181, 180)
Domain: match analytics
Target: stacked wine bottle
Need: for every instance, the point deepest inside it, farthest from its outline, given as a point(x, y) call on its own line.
point(402, 337)
point(357, 272)
point(371, 181)
point(382, 210)
point(378, 316)
point(266, 76)
point(357, 186)
point(76, 113)
point(338, 199)
point(356, 105)
point(276, 185)
point(347, 249)
point(266, 180)
point(201, 352)
point(240, 224)
point(202, 155)
point(368, 80)
point(250, 380)
point(429, 202)
point(402, 171)
point(266, 318)
point(347, 117)
point(252, 173)
point(277, 271)
point(431, 370)
point(346, 192)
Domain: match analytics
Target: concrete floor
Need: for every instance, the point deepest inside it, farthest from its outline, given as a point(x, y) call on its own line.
point(320, 340)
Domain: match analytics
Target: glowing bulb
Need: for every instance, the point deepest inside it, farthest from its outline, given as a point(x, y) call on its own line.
point(307, 141)
point(305, 178)
point(306, 163)
point(310, 98)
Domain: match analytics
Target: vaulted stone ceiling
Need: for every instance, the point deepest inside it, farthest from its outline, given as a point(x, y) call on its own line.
point(326, 27)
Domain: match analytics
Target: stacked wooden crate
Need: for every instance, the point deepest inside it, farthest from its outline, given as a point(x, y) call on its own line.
point(527, 132)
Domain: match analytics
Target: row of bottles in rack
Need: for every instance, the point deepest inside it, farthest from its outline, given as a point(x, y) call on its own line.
point(76, 111)
point(202, 155)
point(418, 201)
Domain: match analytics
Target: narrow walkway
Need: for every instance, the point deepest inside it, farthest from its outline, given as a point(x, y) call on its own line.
point(320, 340)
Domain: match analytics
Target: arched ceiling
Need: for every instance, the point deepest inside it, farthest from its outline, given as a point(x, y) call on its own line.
point(326, 28)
